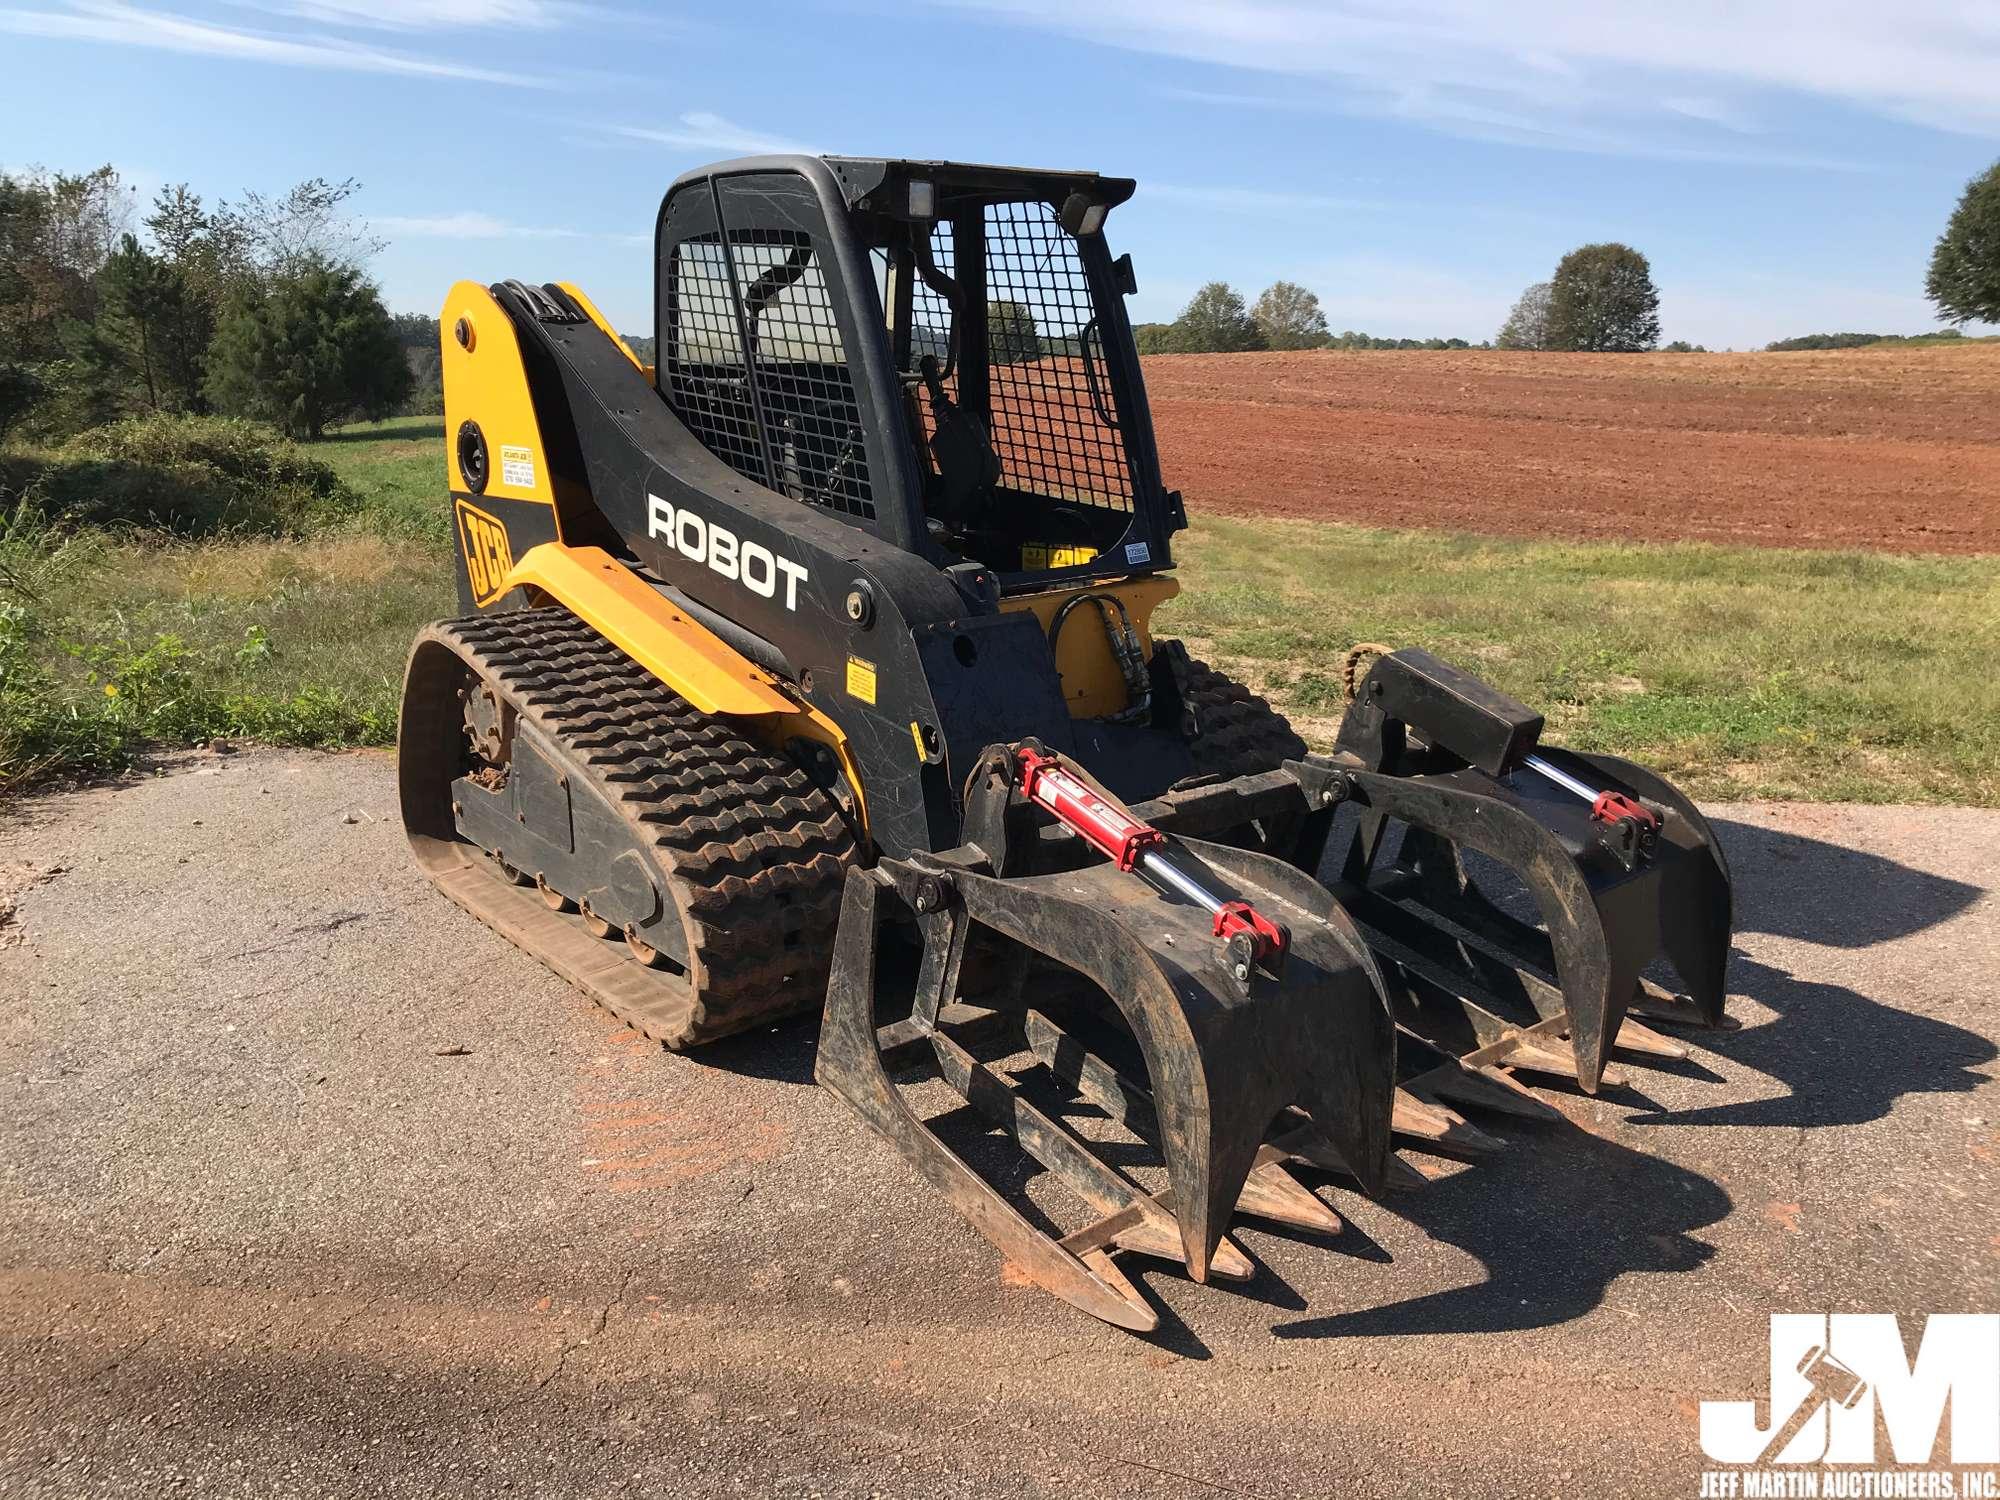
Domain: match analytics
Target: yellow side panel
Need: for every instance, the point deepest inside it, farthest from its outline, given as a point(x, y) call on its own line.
point(598, 318)
point(707, 671)
point(487, 383)
point(1092, 685)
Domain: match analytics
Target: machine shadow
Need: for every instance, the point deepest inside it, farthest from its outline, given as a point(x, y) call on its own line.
point(1792, 886)
point(1556, 1219)
point(1843, 1058)
point(1552, 1221)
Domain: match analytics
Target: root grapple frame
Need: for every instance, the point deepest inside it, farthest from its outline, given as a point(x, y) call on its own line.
point(1250, 1060)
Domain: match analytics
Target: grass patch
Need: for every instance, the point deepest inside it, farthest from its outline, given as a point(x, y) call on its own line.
point(1741, 672)
point(108, 645)
point(398, 468)
point(110, 641)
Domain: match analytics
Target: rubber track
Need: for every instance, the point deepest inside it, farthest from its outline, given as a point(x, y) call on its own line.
point(1241, 733)
point(754, 854)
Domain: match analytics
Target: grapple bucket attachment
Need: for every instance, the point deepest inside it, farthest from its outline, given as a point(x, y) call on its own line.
point(1620, 866)
point(1230, 1045)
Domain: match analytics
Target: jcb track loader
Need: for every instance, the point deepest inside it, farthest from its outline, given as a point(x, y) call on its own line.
point(831, 636)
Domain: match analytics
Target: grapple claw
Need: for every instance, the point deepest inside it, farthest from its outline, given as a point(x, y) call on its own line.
point(1225, 1047)
point(1620, 867)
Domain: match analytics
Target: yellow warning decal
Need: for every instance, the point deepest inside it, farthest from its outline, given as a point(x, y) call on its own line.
point(1038, 557)
point(917, 734)
point(861, 680)
point(488, 558)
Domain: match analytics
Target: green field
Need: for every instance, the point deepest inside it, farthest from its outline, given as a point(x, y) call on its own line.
point(1743, 672)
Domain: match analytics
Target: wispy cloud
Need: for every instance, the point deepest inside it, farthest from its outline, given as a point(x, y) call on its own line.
point(131, 26)
point(479, 226)
point(699, 130)
point(427, 15)
point(1629, 77)
point(1713, 112)
point(1464, 115)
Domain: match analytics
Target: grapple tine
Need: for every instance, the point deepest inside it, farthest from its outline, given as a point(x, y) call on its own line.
point(1697, 902)
point(1621, 866)
point(850, 1064)
point(1222, 1058)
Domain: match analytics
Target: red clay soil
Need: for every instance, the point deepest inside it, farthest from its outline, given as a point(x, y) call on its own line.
point(1897, 451)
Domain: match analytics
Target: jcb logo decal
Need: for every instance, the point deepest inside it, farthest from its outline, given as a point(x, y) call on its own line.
point(488, 559)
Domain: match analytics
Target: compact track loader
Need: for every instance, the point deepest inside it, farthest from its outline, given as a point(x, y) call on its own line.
point(814, 669)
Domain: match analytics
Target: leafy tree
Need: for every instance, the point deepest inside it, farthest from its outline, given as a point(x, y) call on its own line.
point(1527, 326)
point(153, 329)
point(1602, 298)
point(1682, 346)
point(1215, 321)
point(56, 232)
point(1289, 317)
point(1964, 279)
point(316, 348)
point(1154, 338)
point(417, 336)
point(1011, 335)
point(304, 229)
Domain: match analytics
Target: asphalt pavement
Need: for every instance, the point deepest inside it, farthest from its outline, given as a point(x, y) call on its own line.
point(312, 1185)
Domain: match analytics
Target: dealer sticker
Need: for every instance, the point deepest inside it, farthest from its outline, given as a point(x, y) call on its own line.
point(517, 468)
point(1137, 552)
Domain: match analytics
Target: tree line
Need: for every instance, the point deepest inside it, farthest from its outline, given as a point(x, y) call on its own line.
point(1285, 315)
point(259, 307)
point(1601, 297)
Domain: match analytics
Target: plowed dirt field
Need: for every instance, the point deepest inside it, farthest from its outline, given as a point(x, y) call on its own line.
point(1896, 450)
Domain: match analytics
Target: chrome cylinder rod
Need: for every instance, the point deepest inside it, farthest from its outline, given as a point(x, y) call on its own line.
point(1167, 874)
point(1562, 778)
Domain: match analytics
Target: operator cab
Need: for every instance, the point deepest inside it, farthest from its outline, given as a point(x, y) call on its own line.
point(933, 352)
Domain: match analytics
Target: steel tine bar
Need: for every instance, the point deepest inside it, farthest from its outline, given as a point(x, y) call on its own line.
point(1524, 1049)
point(1269, 1191)
point(1487, 1089)
point(1129, 1103)
point(1428, 1121)
point(1095, 1182)
point(1306, 1144)
point(1649, 1043)
point(1392, 934)
point(1525, 950)
point(906, 1042)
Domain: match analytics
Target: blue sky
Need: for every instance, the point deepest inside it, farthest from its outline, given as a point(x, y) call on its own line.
point(1786, 166)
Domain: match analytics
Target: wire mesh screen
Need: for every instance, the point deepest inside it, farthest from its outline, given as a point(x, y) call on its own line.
point(707, 380)
point(1053, 421)
point(783, 411)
